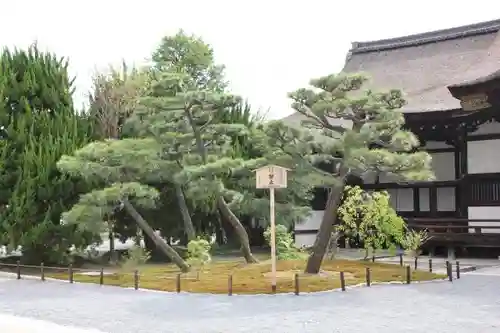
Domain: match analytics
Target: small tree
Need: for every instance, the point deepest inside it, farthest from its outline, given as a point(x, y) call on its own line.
point(370, 218)
point(358, 133)
point(199, 251)
point(413, 241)
point(136, 256)
point(285, 245)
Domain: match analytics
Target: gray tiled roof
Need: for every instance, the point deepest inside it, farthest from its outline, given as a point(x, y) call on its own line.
point(424, 65)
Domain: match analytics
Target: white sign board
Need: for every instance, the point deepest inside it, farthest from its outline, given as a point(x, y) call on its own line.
point(271, 176)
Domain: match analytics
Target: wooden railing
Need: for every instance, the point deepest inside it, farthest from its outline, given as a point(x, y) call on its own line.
point(473, 232)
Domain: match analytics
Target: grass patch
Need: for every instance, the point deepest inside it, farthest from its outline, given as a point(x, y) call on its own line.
point(255, 278)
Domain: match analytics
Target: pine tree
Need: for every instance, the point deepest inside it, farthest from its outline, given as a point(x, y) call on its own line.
point(112, 163)
point(210, 172)
point(112, 99)
point(175, 110)
point(121, 165)
point(39, 125)
point(358, 132)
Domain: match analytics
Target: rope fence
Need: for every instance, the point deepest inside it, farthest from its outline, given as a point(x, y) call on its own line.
point(297, 278)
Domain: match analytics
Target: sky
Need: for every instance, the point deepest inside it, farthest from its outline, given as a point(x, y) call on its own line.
point(269, 47)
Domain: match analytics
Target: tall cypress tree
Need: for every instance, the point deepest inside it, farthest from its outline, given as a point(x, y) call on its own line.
point(38, 126)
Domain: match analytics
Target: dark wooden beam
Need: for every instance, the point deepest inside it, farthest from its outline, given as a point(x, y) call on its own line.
point(440, 150)
point(433, 200)
point(416, 199)
point(483, 137)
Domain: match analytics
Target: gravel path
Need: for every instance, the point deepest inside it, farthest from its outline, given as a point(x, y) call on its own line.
point(471, 304)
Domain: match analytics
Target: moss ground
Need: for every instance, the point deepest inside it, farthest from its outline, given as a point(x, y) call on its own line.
point(254, 278)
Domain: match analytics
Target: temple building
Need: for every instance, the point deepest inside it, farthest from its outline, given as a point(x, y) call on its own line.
point(451, 80)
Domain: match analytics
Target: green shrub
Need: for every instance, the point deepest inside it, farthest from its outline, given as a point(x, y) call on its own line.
point(369, 217)
point(136, 256)
point(414, 240)
point(199, 252)
point(285, 245)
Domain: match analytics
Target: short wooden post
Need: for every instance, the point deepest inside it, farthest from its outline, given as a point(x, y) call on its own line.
point(230, 285)
point(297, 287)
point(70, 273)
point(178, 283)
point(368, 277)
point(416, 263)
point(401, 259)
point(42, 272)
point(458, 269)
point(18, 270)
point(449, 271)
point(101, 276)
point(342, 281)
point(408, 274)
point(136, 279)
point(430, 265)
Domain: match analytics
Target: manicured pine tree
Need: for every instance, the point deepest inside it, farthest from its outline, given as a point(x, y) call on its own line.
point(358, 132)
point(212, 174)
point(119, 166)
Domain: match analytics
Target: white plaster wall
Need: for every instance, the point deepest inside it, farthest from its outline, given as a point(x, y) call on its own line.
point(445, 199)
point(424, 200)
point(310, 223)
point(488, 128)
point(483, 156)
point(401, 199)
point(484, 213)
point(305, 240)
point(443, 165)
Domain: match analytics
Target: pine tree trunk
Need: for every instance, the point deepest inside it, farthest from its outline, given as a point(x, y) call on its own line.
point(220, 233)
point(160, 243)
point(138, 237)
point(326, 228)
point(186, 217)
point(113, 258)
point(241, 233)
point(221, 203)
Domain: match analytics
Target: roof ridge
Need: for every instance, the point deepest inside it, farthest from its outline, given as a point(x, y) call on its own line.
point(427, 37)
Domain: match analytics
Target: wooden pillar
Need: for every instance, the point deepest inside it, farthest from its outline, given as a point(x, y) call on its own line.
point(416, 200)
point(433, 200)
point(462, 188)
point(458, 175)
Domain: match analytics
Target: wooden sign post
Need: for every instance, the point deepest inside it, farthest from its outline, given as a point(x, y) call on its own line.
point(272, 177)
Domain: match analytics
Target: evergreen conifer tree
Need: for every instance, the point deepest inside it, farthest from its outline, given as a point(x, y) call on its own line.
point(38, 126)
point(358, 132)
point(121, 181)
